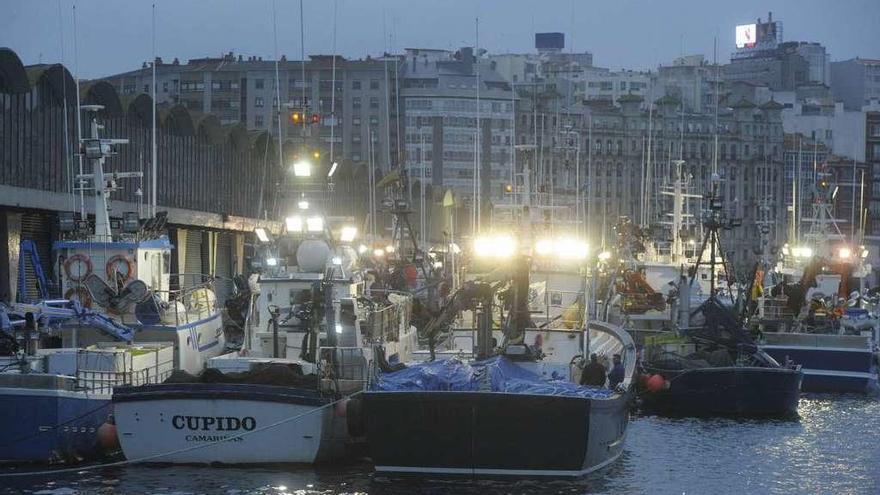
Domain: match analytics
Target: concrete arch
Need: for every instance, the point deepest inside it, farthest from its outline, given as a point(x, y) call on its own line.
point(53, 83)
point(178, 121)
point(13, 77)
point(139, 108)
point(102, 93)
point(261, 143)
point(237, 135)
point(208, 127)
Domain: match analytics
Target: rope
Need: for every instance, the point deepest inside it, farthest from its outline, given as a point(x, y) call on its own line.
point(179, 451)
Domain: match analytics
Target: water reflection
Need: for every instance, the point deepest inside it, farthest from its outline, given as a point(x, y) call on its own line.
point(833, 448)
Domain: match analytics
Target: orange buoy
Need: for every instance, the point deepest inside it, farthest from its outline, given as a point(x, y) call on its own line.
point(108, 439)
point(655, 383)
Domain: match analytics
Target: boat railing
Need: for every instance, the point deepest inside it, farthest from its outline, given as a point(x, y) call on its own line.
point(347, 367)
point(774, 308)
point(388, 319)
point(193, 300)
point(103, 381)
point(817, 340)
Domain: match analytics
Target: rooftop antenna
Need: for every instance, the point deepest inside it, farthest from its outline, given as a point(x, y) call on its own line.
point(80, 183)
point(154, 170)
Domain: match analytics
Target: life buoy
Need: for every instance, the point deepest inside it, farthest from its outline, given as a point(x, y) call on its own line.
point(77, 275)
point(113, 262)
point(80, 294)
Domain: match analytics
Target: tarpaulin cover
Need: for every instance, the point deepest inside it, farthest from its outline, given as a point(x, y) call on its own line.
point(496, 374)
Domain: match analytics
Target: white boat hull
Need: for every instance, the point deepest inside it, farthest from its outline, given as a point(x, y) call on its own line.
point(227, 423)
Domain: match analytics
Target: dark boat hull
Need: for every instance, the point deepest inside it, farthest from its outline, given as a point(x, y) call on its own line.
point(727, 391)
point(493, 433)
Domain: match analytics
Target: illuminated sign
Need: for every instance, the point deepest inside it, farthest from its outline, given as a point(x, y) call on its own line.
point(746, 36)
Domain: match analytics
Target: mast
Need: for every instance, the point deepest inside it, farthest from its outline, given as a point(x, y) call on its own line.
point(67, 169)
point(154, 168)
point(96, 150)
point(277, 93)
point(80, 185)
point(677, 203)
point(646, 214)
point(477, 185)
point(333, 89)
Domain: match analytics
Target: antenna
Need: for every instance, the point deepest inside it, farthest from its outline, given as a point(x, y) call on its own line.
point(82, 199)
point(477, 185)
point(66, 120)
point(333, 88)
point(277, 92)
point(154, 170)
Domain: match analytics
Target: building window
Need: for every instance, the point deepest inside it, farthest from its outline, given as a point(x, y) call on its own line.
point(356, 121)
point(258, 121)
point(146, 88)
point(259, 83)
point(374, 84)
point(356, 102)
point(374, 102)
point(374, 121)
point(356, 84)
point(165, 87)
point(258, 102)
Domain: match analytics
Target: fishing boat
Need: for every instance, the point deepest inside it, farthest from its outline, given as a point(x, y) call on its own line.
point(55, 402)
point(814, 310)
point(120, 322)
point(710, 365)
point(512, 410)
point(312, 338)
point(641, 272)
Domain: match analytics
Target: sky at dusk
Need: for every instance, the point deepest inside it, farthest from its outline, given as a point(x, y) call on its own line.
point(115, 35)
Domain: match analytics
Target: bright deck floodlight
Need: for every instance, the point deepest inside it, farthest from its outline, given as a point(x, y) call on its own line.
point(495, 246)
point(302, 168)
point(845, 253)
point(348, 234)
point(303, 205)
point(332, 169)
point(563, 248)
point(262, 235)
point(315, 224)
point(294, 223)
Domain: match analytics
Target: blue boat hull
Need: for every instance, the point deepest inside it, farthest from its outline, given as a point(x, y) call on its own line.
point(38, 425)
point(830, 369)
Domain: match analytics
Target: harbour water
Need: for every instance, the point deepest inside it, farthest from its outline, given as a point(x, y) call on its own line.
point(833, 448)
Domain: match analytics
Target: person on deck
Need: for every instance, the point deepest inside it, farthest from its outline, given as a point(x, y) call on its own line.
point(593, 373)
point(617, 372)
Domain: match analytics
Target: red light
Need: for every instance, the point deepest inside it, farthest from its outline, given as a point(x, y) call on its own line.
point(316, 118)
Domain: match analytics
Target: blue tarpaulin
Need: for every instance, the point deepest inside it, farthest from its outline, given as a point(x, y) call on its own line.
point(496, 374)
